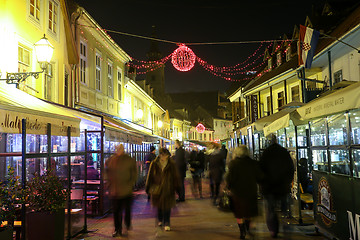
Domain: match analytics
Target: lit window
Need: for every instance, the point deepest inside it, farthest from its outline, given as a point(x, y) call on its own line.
point(281, 99)
point(288, 54)
point(278, 59)
point(23, 59)
point(110, 79)
point(48, 81)
point(119, 84)
point(295, 94)
point(53, 14)
point(35, 9)
point(98, 71)
point(83, 62)
point(338, 77)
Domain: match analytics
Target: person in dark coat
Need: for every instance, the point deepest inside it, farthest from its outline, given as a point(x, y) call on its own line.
point(162, 183)
point(181, 163)
point(216, 170)
point(303, 174)
point(278, 168)
point(92, 173)
point(242, 178)
point(147, 161)
point(121, 174)
point(196, 162)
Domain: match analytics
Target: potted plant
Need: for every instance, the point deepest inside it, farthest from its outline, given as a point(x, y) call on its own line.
point(47, 199)
point(11, 197)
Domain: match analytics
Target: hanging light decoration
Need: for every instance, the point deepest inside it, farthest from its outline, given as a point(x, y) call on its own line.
point(200, 128)
point(183, 58)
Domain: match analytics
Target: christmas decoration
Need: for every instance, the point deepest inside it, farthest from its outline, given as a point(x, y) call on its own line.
point(183, 58)
point(200, 128)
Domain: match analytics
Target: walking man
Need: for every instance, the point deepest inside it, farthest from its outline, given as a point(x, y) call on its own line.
point(278, 168)
point(121, 175)
point(180, 162)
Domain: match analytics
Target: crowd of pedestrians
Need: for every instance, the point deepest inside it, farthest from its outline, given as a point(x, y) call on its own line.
point(245, 180)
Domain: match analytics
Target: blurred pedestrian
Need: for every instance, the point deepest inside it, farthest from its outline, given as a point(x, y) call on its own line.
point(121, 177)
point(162, 183)
point(216, 170)
point(92, 173)
point(196, 162)
point(147, 161)
point(180, 161)
point(242, 178)
point(278, 168)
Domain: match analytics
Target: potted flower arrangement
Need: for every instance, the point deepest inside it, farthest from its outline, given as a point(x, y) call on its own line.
point(47, 199)
point(11, 197)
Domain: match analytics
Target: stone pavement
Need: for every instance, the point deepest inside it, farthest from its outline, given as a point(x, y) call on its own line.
point(193, 219)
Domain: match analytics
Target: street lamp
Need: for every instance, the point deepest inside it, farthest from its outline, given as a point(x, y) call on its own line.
point(44, 51)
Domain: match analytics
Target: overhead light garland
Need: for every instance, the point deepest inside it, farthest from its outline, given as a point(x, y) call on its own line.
point(183, 59)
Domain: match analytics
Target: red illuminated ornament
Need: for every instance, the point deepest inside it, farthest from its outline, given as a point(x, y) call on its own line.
point(183, 58)
point(200, 128)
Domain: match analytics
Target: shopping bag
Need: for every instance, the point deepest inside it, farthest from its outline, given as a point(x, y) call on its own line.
point(225, 201)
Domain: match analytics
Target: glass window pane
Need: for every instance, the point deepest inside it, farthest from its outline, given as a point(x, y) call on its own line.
point(35, 166)
point(355, 127)
point(301, 135)
point(340, 162)
point(290, 135)
point(281, 137)
point(318, 133)
point(356, 157)
point(59, 144)
point(337, 130)
point(320, 160)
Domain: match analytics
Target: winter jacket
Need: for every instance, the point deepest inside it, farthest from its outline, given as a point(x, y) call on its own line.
point(121, 175)
point(167, 180)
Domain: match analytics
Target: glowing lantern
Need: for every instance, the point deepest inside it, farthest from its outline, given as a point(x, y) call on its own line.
point(183, 58)
point(200, 128)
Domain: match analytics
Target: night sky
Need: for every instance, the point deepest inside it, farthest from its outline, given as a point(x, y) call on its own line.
point(198, 21)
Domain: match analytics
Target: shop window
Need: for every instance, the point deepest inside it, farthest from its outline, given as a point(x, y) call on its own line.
point(340, 162)
point(83, 61)
point(23, 59)
point(337, 130)
point(278, 59)
point(110, 82)
point(290, 136)
point(53, 16)
point(295, 94)
point(281, 99)
point(356, 158)
point(338, 76)
point(204, 136)
point(98, 71)
point(320, 160)
point(301, 135)
point(281, 137)
point(34, 10)
point(318, 133)
point(119, 84)
point(355, 127)
point(288, 54)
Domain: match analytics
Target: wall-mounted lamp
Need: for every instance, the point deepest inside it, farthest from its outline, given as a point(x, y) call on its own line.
point(44, 51)
point(160, 124)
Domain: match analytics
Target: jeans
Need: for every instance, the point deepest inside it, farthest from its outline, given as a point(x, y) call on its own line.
point(119, 204)
point(271, 203)
point(164, 216)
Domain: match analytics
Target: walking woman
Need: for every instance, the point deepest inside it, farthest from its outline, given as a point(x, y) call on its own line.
point(162, 183)
point(244, 173)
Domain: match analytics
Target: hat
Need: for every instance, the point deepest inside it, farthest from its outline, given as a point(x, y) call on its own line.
point(152, 148)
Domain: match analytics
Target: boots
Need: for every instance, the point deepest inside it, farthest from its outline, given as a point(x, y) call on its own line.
point(247, 226)
point(242, 229)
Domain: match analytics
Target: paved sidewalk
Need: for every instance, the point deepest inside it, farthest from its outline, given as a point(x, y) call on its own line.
point(194, 219)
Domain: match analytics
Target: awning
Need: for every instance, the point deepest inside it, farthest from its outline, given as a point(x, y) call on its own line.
point(16, 105)
point(342, 100)
point(283, 122)
point(201, 143)
point(116, 130)
point(265, 121)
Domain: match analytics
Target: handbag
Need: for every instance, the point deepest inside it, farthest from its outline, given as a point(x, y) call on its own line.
point(225, 201)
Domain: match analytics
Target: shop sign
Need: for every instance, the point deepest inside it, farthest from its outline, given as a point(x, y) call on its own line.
point(325, 206)
point(354, 226)
point(11, 122)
